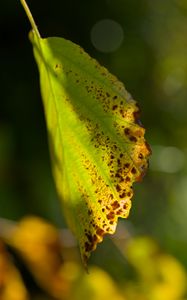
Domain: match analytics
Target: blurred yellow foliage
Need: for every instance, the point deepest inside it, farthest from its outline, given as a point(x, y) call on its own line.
point(160, 276)
point(39, 245)
point(11, 284)
point(98, 285)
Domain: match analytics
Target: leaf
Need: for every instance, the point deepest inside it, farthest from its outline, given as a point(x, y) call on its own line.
point(11, 282)
point(98, 285)
point(38, 244)
point(151, 264)
point(96, 142)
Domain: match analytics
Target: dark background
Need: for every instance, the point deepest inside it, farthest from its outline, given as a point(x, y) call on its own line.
point(151, 61)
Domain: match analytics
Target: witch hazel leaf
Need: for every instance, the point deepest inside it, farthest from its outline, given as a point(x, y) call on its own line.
point(96, 143)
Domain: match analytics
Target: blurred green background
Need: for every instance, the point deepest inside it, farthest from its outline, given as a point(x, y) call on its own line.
point(144, 43)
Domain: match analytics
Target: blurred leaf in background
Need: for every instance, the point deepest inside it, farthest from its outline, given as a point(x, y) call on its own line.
point(11, 282)
point(160, 275)
point(41, 247)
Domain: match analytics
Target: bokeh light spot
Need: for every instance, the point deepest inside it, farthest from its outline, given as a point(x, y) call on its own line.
point(167, 159)
point(107, 35)
point(172, 85)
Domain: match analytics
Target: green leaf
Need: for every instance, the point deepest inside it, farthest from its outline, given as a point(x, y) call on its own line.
point(97, 145)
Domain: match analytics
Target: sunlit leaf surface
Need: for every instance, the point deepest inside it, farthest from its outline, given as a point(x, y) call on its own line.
point(96, 142)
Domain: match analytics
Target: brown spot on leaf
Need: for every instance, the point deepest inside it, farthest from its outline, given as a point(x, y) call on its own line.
point(115, 205)
point(133, 138)
point(110, 216)
point(89, 237)
point(125, 206)
point(114, 107)
point(127, 165)
point(118, 188)
point(88, 247)
point(119, 162)
point(127, 131)
point(136, 115)
point(133, 171)
point(95, 238)
point(139, 133)
point(90, 211)
point(100, 231)
point(127, 179)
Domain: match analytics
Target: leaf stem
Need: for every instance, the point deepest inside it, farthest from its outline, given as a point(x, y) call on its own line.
point(30, 17)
